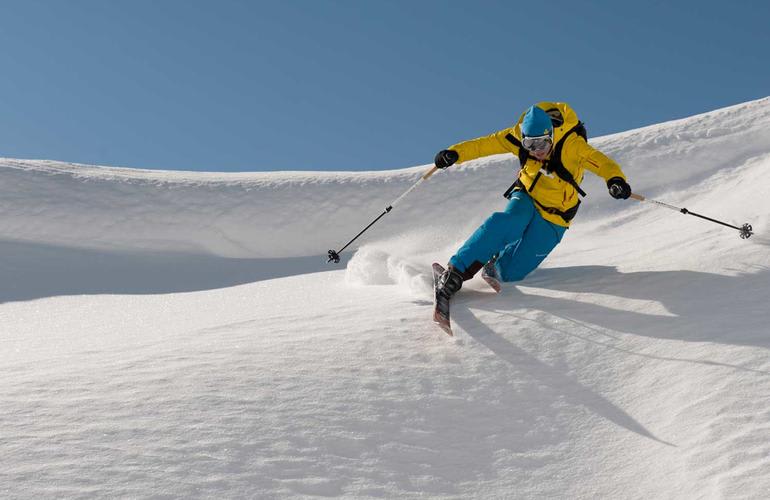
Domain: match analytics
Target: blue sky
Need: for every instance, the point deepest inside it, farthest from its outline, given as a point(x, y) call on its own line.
point(352, 85)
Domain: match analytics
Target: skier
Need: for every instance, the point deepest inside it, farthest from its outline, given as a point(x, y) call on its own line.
point(550, 143)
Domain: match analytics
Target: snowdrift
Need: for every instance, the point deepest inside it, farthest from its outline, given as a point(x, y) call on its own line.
point(170, 334)
point(296, 214)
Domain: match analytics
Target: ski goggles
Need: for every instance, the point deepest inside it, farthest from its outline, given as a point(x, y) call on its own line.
point(537, 143)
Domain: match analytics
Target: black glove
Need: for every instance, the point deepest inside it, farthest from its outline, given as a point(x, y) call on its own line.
point(619, 189)
point(445, 158)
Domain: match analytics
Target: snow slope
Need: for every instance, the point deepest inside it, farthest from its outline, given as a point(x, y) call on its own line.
point(179, 335)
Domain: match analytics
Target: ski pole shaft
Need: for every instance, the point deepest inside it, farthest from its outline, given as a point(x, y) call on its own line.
point(746, 229)
point(424, 177)
point(334, 255)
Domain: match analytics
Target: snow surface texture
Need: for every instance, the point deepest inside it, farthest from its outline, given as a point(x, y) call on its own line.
point(179, 335)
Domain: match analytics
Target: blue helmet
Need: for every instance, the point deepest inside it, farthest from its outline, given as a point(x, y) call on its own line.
point(536, 122)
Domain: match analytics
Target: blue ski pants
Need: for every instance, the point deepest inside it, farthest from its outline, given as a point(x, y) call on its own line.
point(518, 235)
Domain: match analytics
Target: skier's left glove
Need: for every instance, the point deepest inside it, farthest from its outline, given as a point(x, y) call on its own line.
point(446, 158)
point(619, 189)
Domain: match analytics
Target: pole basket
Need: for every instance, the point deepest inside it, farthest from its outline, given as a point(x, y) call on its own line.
point(334, 257)
point(746, 231)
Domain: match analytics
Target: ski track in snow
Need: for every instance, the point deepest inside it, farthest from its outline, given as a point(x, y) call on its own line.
point(179, 335)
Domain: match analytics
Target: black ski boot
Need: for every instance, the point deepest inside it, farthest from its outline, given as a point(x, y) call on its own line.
point(449, 283)
point(491, 276)
point(446, 282)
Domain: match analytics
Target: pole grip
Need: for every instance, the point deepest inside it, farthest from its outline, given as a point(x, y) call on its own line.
point(430, 172)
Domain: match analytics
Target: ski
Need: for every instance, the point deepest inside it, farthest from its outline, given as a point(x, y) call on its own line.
point(490, 275)
point(440, 303)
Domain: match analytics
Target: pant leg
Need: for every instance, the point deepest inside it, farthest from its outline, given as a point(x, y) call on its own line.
point(521, 258)
point(498, 231)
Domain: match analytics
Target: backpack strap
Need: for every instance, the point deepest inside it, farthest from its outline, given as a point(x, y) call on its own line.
point(523, 153)
point(567, 215)
point(556, 166)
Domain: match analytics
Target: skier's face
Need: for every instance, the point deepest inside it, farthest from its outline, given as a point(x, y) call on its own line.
point(541, 154)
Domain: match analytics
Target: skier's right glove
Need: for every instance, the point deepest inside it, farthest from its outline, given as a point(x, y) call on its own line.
point(446, 158)
point(619, 189)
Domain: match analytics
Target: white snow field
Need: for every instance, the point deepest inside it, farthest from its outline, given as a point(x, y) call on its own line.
point(180, 335)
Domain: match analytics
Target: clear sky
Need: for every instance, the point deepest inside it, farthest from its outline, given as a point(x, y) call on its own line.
point(227, 85)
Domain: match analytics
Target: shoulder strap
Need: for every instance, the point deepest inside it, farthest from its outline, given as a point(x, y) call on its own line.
point(513, 140)
point(523, 153)
point(556, 166)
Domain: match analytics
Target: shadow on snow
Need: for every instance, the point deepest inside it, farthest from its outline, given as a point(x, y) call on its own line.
point(32, 271)
point(705, 307)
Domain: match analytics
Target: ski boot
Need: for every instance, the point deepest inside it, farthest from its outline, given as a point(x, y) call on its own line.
point(491, 276)
point(446, 282)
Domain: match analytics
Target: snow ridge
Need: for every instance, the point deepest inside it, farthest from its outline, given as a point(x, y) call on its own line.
point(298, 214)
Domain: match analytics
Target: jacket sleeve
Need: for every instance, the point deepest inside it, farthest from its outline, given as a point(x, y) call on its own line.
point(492, 144)
point(594, 160)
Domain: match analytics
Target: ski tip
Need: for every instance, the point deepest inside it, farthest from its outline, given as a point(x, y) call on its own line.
point(446, 329)
point(443, 323)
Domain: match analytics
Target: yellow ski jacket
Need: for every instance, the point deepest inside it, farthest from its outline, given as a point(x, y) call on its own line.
point(550, 192)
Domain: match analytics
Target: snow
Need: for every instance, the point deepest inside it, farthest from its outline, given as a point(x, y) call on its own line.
point(180, 335)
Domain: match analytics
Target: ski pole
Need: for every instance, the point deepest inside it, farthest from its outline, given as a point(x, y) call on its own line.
point(334, 255)
point(745, 230)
